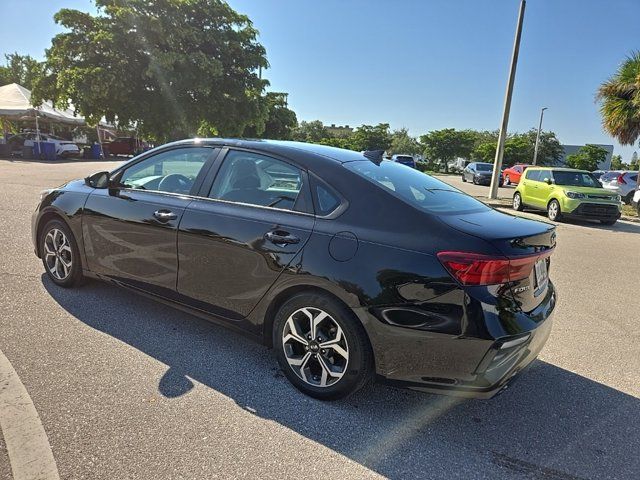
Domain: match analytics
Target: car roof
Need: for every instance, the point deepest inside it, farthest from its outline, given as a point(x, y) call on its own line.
point(306, 154)
point(558, 169)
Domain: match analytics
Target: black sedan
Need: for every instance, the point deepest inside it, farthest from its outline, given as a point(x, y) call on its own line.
point(479, 173)
point(350, 267)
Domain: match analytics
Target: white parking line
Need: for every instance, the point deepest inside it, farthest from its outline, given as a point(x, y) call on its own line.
point(27, 444)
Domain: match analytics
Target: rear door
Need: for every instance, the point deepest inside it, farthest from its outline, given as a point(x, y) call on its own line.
point(234, 244)
point(130, 230)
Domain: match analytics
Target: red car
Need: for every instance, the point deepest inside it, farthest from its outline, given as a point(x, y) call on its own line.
point(124, 146)
point(512, 174)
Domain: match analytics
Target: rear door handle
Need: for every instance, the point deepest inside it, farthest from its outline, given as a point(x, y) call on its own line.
point(281, 238)
point(165, 215)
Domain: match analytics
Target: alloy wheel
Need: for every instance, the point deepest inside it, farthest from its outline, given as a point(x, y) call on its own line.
point(553, 210)
point(516, 201)
point(57, 254)
point(315, 347)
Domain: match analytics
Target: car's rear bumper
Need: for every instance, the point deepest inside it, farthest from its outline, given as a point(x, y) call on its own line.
point(461, 365)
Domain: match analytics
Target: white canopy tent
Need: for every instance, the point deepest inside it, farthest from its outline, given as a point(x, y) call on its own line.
point(15, 104)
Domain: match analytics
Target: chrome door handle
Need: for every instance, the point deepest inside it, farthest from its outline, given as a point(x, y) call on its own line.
point(280, 237)
point(165, 215)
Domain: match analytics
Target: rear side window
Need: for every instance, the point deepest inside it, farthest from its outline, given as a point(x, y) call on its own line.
point(633, 178)
point(533, 175)
point(254, 179)
point(326, 199)
point(416, 188)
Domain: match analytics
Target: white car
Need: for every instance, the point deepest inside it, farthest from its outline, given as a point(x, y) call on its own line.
point(64, 148)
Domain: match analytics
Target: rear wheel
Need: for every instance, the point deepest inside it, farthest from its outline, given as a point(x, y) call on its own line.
point(322, 347)
point(60, 254)
point(629, 198)
point(517, 202)
point(553, 210)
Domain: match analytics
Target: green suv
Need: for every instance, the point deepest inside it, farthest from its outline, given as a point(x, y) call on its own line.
point(566, 192)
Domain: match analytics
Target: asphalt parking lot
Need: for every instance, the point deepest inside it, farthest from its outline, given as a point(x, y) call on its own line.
point(128, 388)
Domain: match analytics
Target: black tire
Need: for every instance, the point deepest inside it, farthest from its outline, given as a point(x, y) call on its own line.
point(464, 179)
point(74, 278)
point(554, 217)
point(507, 180)
point(517, 204)
point(359, 367)
point(609, 222)
point(475, 182)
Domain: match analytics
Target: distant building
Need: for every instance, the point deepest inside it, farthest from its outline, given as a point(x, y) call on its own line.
point(571, 149)
point(339, 130)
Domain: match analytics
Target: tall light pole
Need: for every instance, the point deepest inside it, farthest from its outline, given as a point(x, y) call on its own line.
point(495, 177)
point(535, 150)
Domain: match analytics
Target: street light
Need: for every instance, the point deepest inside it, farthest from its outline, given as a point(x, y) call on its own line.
point(535, 150)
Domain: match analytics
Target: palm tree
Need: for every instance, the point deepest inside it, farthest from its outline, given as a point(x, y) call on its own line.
point(620, 101)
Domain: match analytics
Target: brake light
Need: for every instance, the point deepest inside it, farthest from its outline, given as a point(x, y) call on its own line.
point(621, 180)
point(479, 269)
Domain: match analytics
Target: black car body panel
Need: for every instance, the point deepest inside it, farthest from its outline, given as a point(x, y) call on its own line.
point(374, 252)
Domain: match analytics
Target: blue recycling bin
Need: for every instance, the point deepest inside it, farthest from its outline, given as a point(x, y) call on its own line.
point(96, 154)
point(44, 150)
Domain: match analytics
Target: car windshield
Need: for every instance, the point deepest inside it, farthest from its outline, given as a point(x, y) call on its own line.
point(484, 167)
point(576, 179)
point(417, 188)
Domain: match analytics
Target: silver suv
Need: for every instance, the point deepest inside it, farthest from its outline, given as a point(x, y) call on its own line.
point(623, 183)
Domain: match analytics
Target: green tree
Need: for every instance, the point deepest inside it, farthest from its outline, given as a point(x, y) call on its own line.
point(587, 158)
point(517, 149)
point(617, 163)
point(485, 152)
point(312, 132)
point(549, 149)
point(447, 145)
point(171, 67)
point(402, 142)
point(280, 122)
point(21, 69)
point(370, 137)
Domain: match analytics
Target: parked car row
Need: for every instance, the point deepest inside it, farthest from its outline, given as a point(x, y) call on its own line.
point(622, 182)
point(64, 148)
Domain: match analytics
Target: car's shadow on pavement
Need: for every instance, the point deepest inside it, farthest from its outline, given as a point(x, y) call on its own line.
point(550, 424)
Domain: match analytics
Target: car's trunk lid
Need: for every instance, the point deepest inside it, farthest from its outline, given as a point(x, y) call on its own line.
point(519, 239)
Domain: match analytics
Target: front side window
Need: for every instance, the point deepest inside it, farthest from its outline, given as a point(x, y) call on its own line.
point(416, 188)
point(255, 179)
point(173, 171)
point(575, 179)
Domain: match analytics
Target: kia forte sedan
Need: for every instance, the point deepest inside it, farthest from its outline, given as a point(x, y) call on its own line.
point(352, 268)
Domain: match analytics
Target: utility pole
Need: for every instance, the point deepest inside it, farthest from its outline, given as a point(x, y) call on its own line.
point(535, 150)
point(495, 177)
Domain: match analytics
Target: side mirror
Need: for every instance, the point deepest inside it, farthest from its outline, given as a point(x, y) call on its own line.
point(547, 181)
point(97, 180)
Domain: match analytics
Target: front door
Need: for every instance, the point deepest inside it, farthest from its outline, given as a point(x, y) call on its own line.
point(233, 246)
point(130, 229)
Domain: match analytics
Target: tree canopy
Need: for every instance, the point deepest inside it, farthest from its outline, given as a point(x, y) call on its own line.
point(402, 142)
point(172, 67)
point(587, 158)
point(21, 69)
point(447, 145)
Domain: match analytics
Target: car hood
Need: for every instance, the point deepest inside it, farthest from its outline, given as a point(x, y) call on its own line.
point(585, 190)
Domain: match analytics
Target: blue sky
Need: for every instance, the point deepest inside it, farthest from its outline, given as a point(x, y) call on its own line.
point(419, 64)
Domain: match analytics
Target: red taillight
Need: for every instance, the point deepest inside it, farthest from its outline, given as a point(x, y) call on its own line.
point(621, 180)
point(478, 269)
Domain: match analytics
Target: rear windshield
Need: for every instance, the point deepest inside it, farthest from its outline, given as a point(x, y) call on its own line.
point(609, 175)
point(576, 179)
point(484, 167)
point(417, 188)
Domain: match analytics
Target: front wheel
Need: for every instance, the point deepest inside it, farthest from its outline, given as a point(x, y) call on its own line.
point(60, 254)
point(507, 180)
point(464, 179)
point(517, 202)
point(553, 210)
point(321, 347)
